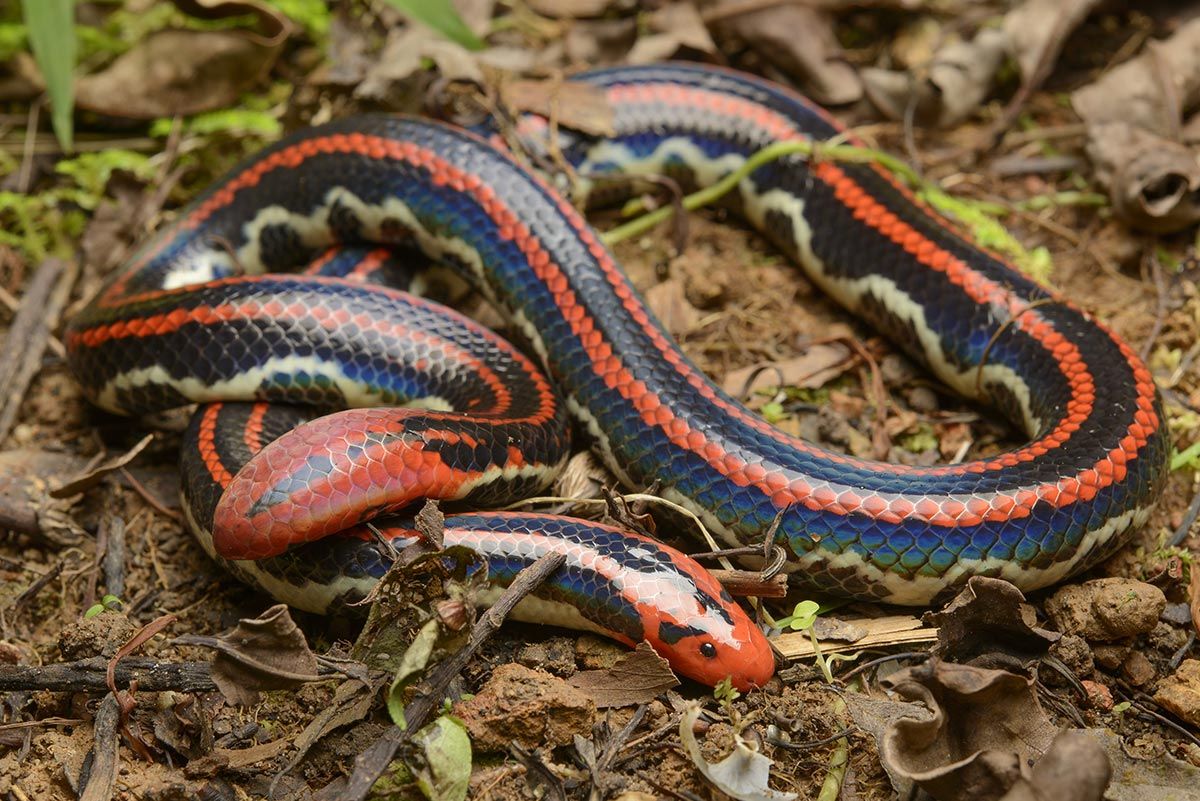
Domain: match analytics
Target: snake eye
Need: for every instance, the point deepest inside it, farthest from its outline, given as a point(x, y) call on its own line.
point(708, 650)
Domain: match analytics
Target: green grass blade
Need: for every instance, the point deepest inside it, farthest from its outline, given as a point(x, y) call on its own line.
point(52, 38)
point(442, 16)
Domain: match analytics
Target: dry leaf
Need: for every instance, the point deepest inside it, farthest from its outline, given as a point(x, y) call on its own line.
point(945, 91)
point(670, 305)
point(1153, 182)
point(265, 653)
point(579, 106)
point(818, 365)
point(743, 774)
point(637, 678)
point(986, 728)
point(92, 477)
point(672, 28)
point(1149, 91)
point(403, 56)
point(989, 624)
point(799, 41)
point(1038, 29)
point(175, 72)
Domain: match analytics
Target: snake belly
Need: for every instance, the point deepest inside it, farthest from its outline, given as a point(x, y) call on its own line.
point(1090, 473)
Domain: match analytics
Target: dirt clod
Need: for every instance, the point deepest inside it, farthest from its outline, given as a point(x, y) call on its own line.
point(1106, 609)
point(528, 707)
point(100, 635)
point(1180, 692)
point(1073, 651)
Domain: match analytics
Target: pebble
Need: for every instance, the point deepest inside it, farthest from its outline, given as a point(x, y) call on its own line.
point(1138, 670)
point(1099, 697)
point(1180, 692)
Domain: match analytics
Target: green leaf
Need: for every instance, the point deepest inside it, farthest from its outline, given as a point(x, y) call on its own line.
point(412, 664)
point(802, 617)
point(443, 767)
point(1189, 457)
point(52, 38)
point(443, 18)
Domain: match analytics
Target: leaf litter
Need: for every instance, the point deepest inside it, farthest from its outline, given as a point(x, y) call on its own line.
point(736, 307)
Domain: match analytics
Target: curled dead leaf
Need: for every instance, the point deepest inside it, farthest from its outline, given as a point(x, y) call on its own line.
point(799, 41)
point(945, 91)
point(175, 72)
point(264, 653)
point(1154, 183)
point(986, 728)
point(989, 624)
point(743, 775)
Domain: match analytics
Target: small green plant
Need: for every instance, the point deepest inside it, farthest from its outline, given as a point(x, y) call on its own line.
point(107, 602)
point(725, 692)
point(803, 618)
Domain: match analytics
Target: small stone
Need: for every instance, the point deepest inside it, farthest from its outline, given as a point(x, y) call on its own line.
point(1180, 692)
point(1074, 652)
point(1167, 639)
point(1106, 609)
point(1099, 697)
point(1180, 614)
point(528, 707)
point(1110, 657)
point(922, 399)
point(1137, 669)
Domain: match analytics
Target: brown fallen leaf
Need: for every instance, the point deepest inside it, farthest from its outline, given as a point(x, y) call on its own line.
point(989, 625)
point(945, 91)
point(1152, 182)
point(986, 728)
point(404, 55)
point(1074, 769)
point(264, 653)
point(672, 28)
point(637, 678)
point(668, 300)
point(93, 476)
point(799, 41)
point(819, 364)
point(1134, 115)
point(579, 106)
point(1038, 29)
point(174, 72)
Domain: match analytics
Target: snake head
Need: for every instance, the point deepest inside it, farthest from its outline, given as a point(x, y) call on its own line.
point(704, 634)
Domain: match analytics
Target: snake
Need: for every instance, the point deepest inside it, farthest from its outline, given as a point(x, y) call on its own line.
point(417, 401)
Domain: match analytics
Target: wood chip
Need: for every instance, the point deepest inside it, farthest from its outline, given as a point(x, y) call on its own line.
point(878, 631)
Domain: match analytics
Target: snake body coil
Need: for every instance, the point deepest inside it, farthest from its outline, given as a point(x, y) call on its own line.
point(178, 325)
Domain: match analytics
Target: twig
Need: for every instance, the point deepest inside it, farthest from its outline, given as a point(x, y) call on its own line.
point(89, 675)
point(104, 759)
point(743, 583)
point(371, 763)
point(113, 564)
point(21, 355)
point(1189, 520)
